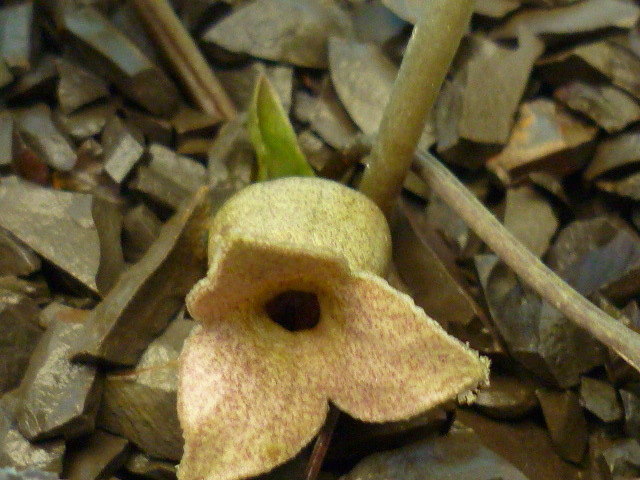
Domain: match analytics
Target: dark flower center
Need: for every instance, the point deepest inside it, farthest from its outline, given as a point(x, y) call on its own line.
point(294, 310)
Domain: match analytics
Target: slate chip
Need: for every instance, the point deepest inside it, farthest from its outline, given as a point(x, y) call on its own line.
point(600, 398)
point(78, 233)
point(78, 87)
point(122, 149)
point(57, 397)
point(16, 34)
point(150, 292)
point(98, 456)
point(16, 258)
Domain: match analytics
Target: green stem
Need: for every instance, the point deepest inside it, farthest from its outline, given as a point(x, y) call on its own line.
point(429, 54)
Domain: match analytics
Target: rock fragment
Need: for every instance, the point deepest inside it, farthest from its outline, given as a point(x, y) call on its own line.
point(111, 55)
point(38, 83)
point(614, 153)
point(141, 227)
point(78, 87)
point(10, 473)
point(140, 404)
point(459, 455)
point(6, 139)
point(16, 451)
point(122, 149)
point(600, 398)
point(78, 233)
point(150, 292)
point(16, 34)
point(86, 122)
point(630, 396)
point(486, 118)
point(579, 17)
point(38, 130)
point(566, 423)
point(363, 77)
point(16, 258)
point(149, 467)
point(544, 137)
point(289, 31)
point(57, 397)
point(507, 397)
point(530, 218)
point(621, 460)
point(19, 335)
point(98, 456)
point(608, 106)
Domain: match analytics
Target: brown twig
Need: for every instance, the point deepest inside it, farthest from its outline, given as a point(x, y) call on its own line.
point(431, 49)
point(321, 445)
point(188, 63)
point(529, 268)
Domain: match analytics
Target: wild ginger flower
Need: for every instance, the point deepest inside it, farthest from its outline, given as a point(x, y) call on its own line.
point(294, 315)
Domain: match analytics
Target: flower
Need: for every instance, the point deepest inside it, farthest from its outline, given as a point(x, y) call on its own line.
point(252, 392)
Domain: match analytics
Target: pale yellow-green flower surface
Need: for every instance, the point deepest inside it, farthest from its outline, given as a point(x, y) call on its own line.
point(252, 393)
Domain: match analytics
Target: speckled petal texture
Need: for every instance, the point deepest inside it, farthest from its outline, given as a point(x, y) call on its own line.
point(251, 393)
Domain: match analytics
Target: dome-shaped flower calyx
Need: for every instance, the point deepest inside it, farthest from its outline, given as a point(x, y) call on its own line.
point(293, 315)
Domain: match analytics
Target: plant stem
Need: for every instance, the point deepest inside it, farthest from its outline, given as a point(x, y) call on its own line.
point(188, 63)
point(321, 445)
point(431, 49)
point(624, 341)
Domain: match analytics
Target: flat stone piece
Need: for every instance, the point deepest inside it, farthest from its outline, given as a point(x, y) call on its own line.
point(10, 473)
point(600, 398)
point(544, 137)
point(19, 335)
point(111, 55)
point(78, 233)
point(608, 106)
point(327, 117)
point(525, 444)
point(59, 312)
point(488, 118)
point(141, 227)
point(15, 257)
point(99, 455)
point(240, 83)
point(155, 129)
point(16, 451)
point(86, 122)
point(530, 218)
point(150, 292)
point(37, 129)
point(15, 35)
point(57, 397)
point(566, 423)
point(6, 139)
point(122, 149)
point(621, 460)
point(38, 82)
point(140, 404)
point(231, 159)
point(152, 468)
point(363, 77)
point(614, 153)
point(185, 172)
point(289, 31)
point(580, 17)
point(14, 287)
point(158, 188)
point(626, 187)
point(193, 123)
point(459, 455)
point(78, 87)
point(448, 223)
point(630, 396)
point(506, 397)
point(595, 62)
point(423, 261)
point(537, 335)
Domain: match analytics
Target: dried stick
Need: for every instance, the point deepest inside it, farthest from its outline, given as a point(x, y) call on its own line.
point(321, 445)
point(188, 63)
point(624, 341)
point(431, 49)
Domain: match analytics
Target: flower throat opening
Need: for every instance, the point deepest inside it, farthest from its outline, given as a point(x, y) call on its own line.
point(294, 310)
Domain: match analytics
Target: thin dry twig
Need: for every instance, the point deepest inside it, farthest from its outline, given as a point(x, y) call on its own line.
point(188, 63)
point(321, 445)
point(624, 341)
point(429, 54)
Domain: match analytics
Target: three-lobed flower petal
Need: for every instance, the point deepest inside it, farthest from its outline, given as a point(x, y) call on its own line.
point(252, 394)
